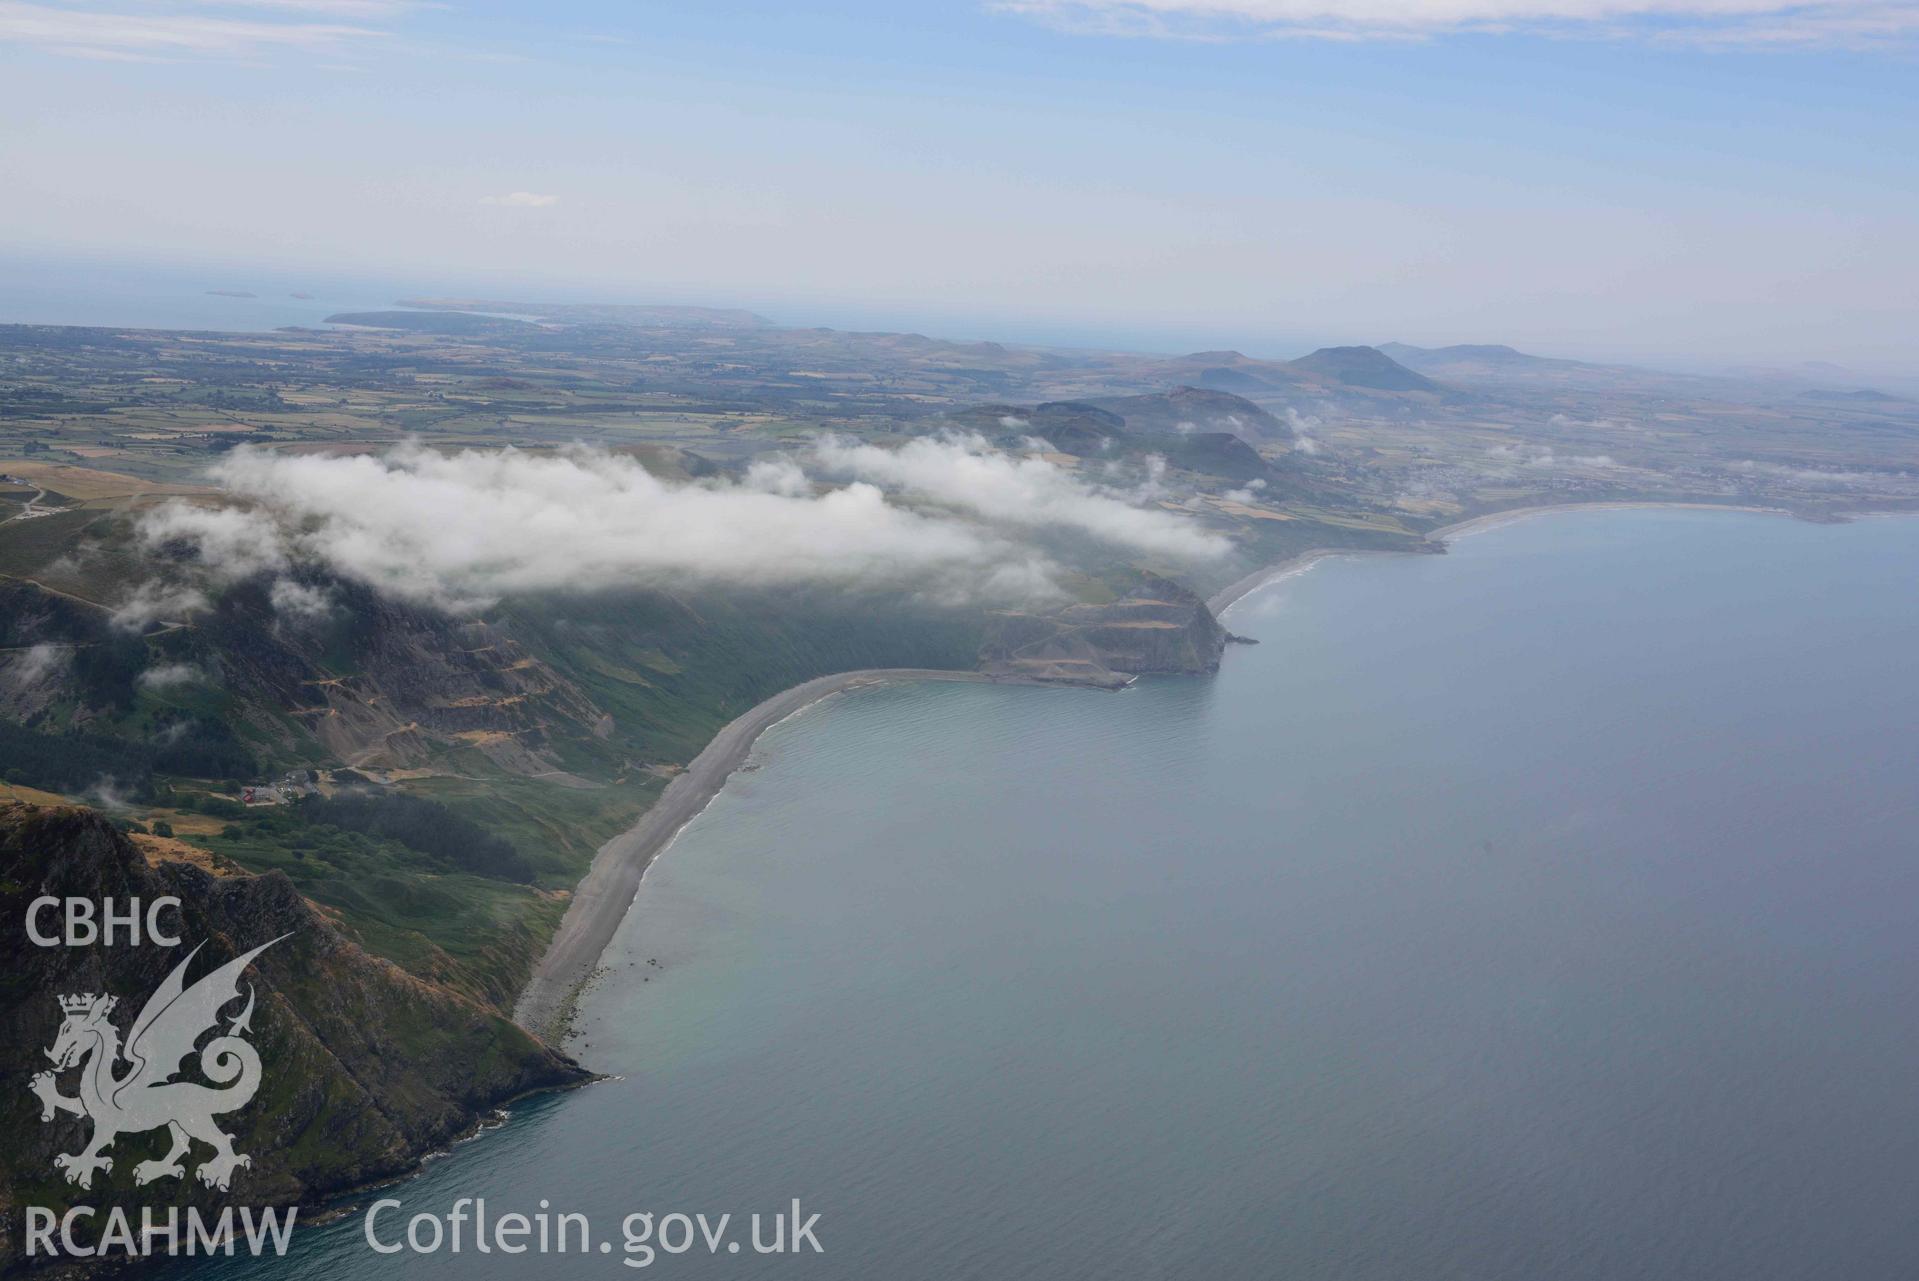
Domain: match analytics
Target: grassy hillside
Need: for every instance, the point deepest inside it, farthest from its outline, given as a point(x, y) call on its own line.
point(350, 1098)
point(549, 724)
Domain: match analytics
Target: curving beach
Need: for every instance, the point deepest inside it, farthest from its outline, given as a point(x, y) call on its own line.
point(601, 899)
point(1226, 597)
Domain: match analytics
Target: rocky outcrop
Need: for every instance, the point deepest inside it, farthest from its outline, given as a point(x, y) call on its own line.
point(1155, 627)
point(380, 682)
point(365, 1068)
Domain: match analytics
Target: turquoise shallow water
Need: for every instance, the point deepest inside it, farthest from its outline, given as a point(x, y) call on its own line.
point(1548, 909)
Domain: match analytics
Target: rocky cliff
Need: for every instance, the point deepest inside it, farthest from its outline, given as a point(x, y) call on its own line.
point(1154, 626)
point(365, 1068)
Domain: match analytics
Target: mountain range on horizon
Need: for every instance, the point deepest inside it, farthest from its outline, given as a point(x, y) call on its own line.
point(1389, 367)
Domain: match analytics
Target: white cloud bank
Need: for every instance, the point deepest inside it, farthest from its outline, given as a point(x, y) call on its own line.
point(521, 200)
point(461, 530)
point(965, 473)
point(1855, 23)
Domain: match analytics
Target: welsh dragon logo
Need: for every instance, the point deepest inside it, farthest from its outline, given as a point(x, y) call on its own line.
point(145, 1096)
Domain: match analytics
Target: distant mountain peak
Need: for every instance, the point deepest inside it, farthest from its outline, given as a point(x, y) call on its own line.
point(1492, 351)
point(1468, 359)
point(1367, 367)
point(1866, 395)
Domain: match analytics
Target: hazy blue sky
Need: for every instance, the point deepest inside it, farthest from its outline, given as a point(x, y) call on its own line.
point(1702, 179)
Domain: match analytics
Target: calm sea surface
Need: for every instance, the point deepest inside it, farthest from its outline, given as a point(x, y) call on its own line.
point(68, 291)
point(1548, 910)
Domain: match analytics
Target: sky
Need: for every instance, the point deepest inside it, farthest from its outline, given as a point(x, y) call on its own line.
point(1679, 181)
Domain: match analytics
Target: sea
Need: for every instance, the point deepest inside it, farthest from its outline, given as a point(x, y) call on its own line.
point(1547, 910)
point(212, 297)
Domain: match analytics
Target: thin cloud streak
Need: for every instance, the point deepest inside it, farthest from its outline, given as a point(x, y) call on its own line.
point(356, 9)
point(521, 200)
point(1752, 23)
point(182, 33)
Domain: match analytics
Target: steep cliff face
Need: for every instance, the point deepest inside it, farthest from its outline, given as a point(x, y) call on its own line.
point(382, 683)
point(554, 688)
point(364, 1068)
point(1156, 626)
point(365, 679)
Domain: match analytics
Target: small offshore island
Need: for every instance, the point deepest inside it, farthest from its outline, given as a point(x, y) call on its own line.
point(275, 638)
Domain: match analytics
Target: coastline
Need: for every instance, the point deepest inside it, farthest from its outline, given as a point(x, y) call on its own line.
point(1226, 597)
point(1493, 520)
point(602, 898)
point(1230, 595)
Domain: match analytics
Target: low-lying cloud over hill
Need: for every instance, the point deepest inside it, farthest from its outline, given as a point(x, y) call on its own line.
point(951, 517)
